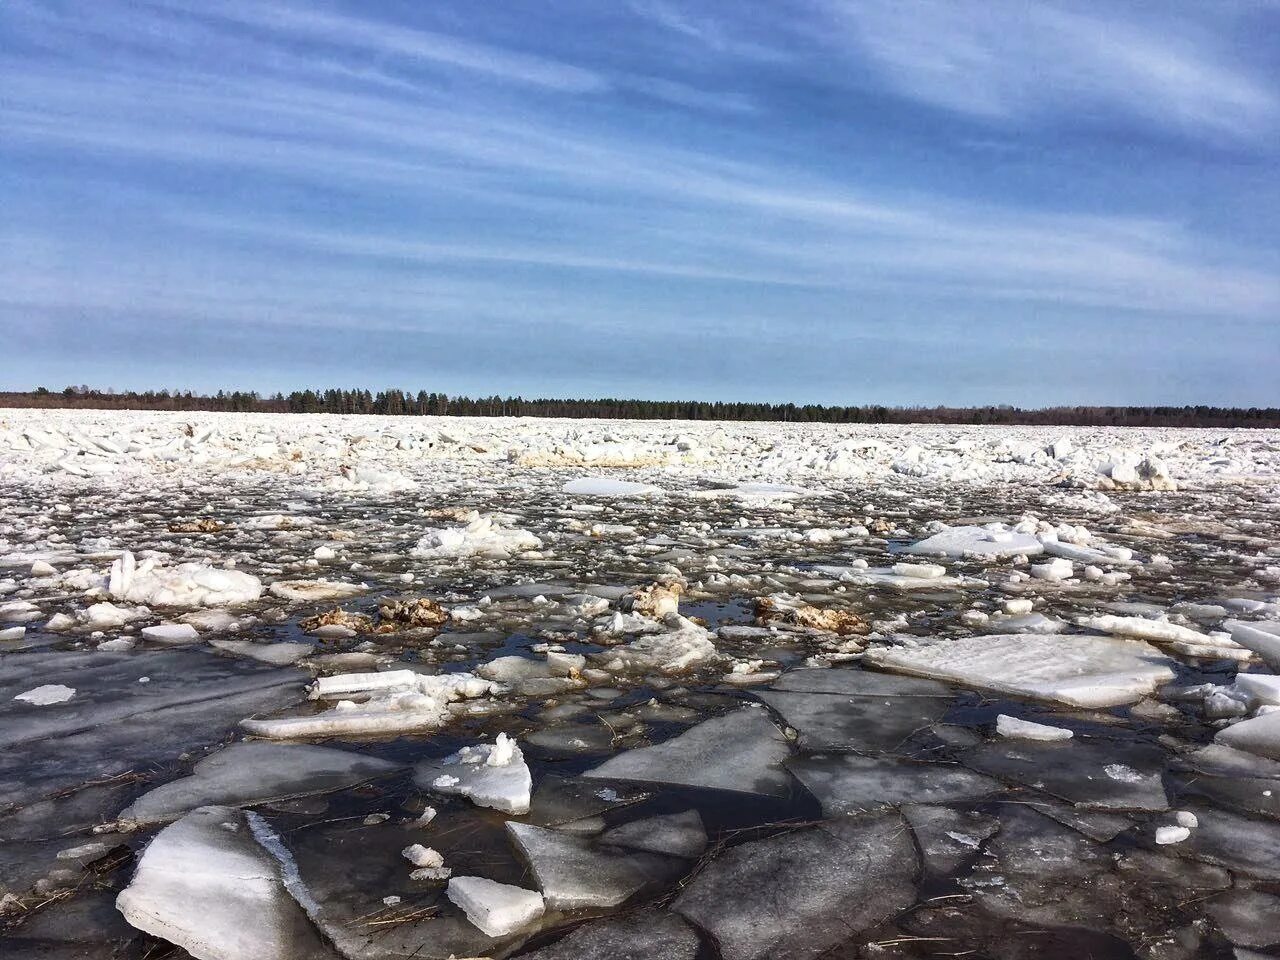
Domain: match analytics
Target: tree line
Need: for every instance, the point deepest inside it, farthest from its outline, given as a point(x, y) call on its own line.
point(395, 402)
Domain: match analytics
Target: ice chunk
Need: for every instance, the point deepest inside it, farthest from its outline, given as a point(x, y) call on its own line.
point(798, 894)
point(429, 863)
point(1178, 638)
point(850, 783)
point(977, 542)
point(498, 909)
point(249, 773)
point(504, 784)
point(311, 591)
point(205, 884)
point(574, 873)
point(1171, 834)
point(1260, 736)
point(171, 634)
point(741, 751)
point(1262, 637)
point(47, 694)
point(280, 654)
point(400, 701)
point(1080, 671)
point(1014, 728)
point(1258, 689)
point(606, 487)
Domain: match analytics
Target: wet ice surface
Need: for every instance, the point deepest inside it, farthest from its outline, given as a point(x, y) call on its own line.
point(377, 688)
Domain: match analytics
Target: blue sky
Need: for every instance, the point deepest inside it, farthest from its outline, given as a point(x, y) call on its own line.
point(848, 201)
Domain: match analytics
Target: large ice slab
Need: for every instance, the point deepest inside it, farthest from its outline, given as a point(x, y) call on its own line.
point(254, 772)
point(796, 895)
point(205, 884)
point(836, 709)
point(1099, 775)
point(644, 935)
point(607, 487)
point(115, 724)
point(1080, 671)
point(977, 542)
point(741, 751)
point(672, 834)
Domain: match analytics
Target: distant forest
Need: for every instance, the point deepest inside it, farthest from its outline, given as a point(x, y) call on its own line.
point(396, 402)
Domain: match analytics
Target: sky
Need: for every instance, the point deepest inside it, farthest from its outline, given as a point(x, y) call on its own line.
point(820, 201)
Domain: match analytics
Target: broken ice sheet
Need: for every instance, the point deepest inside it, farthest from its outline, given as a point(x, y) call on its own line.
point(947, 837)
point(1093, 775)
point(836, 709)
point(849, 783)
point(797, 894)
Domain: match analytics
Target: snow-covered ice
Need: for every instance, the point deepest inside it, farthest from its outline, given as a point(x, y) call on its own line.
point(757, 681)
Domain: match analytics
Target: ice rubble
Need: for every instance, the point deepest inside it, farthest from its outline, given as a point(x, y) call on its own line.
point(311, 591)
point(678, 645)
point(395, 701)
point(1081, 671)
point(186, 585)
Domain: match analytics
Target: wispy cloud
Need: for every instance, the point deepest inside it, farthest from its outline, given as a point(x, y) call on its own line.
point(1006, 58)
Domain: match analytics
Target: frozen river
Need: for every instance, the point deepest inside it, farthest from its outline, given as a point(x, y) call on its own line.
point(294, 687)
